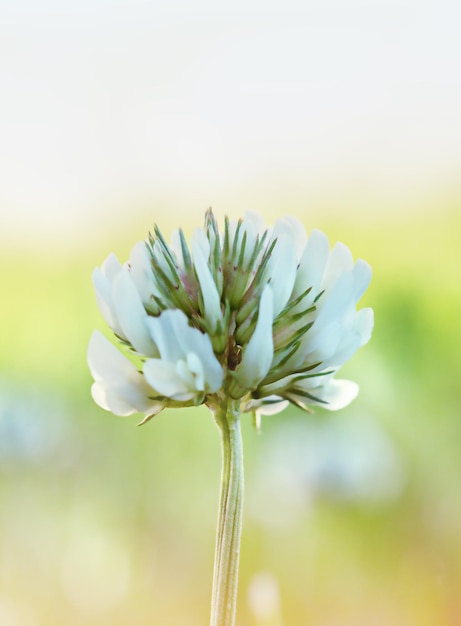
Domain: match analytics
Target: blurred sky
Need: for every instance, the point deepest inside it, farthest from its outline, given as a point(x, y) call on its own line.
point(176, 106)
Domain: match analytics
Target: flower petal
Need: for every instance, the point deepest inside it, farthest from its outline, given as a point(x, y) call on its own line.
point(258, 354)
point(339, 262)
point(339, 393)
point(141, 273)
point(294, 230)
point(105, 361)
point(166, 332)
point(336, 310)
point(271, 405)
point(132, 315)
point(102, 282)
point(111, 267)
point(124, 400)
point(334, 395)
point(165, 378)
point(312, 264)
point(362, 276)
point(211, 298)
point(177, 341)
point(282, 272)
point(353, 338)
point(118, 387)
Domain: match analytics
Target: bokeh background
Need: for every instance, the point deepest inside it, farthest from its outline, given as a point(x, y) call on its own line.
point(115, 115)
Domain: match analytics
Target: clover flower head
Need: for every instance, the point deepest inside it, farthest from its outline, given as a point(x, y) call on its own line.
point(263, 316)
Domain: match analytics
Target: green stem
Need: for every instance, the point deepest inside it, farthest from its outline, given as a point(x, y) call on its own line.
point(225, 581)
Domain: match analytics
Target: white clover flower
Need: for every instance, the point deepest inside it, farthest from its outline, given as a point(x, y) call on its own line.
point(263, 316)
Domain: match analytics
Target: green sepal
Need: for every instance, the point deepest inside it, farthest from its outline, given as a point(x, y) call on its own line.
point(256, 421)
point(215, 260)
point(186, 257)
point(253, 293)
point(288, 338)
point(299, 404)
point(303, 394)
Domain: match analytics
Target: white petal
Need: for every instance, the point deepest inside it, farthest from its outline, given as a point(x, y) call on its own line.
point(211, 299)
point(111, 267)
point(339, 262)
point(362, 276)
point(253, 223)
point(294, 229)
point(164, 329)
point(195, 342)
point(312, 264)
point(258, 354)
point(103, 288)
point(337, 301)
point(272, 406)
point(195, 367)
point(176, 341)
point(365, 322)
point(164, 377)
point(338, 394)
point(336, 311)
point(119, 387)
point(334, 395)
point(320, 345)
point(199, 243)
point(353, 337)
point(141, 272)
point(131, 314)
point(98, 393)
point(106, 362)
point(126, 400)
point(282, 271)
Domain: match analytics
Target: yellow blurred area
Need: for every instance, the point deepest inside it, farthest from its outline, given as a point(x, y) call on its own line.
point(116, 116)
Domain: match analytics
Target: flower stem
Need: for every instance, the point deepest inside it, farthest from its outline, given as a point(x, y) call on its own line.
point(225, 581)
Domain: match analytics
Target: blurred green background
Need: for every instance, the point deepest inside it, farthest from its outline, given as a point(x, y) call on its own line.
point(116, 116)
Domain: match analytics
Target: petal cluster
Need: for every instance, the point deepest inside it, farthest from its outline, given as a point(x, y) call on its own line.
point(264, 316)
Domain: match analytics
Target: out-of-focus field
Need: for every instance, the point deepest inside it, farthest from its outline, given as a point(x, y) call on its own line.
point(351, 519)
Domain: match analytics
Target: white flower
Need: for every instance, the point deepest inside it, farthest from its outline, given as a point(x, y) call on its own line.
point(118, 386)
point(140, 268)
point(102, 281)
point(265, 316)
point(187, 366)
point(121, 305)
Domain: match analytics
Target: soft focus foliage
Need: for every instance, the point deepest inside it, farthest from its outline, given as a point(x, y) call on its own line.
point(350, 519)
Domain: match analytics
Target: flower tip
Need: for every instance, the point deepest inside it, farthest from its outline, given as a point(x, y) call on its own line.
point(339, 393)
point(148, 417)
